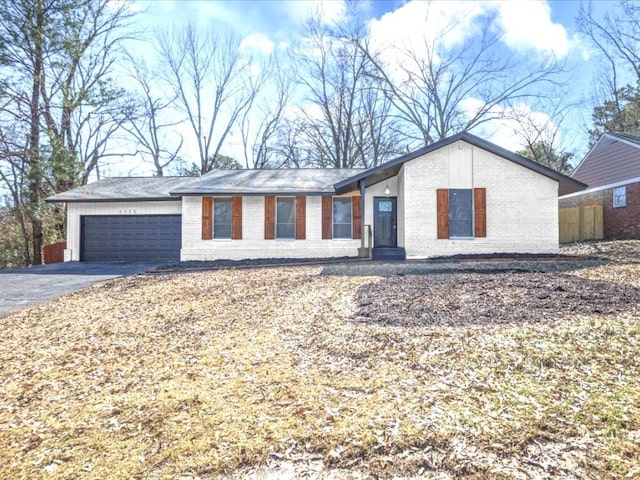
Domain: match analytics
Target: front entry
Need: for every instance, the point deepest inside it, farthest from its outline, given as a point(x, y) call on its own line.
point(385, 222)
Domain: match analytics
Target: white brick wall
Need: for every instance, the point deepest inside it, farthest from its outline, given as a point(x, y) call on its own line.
point(253, 244)
point(522, 211)
point(76, 210)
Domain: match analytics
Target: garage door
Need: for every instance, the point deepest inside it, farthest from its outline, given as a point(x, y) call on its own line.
point(132, 238)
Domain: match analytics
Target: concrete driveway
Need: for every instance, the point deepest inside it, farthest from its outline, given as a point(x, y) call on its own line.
point(22, 287)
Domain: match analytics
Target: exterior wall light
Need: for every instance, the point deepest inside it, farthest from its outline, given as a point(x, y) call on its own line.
point(387, 190)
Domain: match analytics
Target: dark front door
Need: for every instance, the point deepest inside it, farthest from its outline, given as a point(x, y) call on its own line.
point(385, 222)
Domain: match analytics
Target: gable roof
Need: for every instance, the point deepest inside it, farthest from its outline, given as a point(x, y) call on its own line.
point(123, 189)
point(614, 158)
point(307, 181)
point(391, 168)
point(303, 181)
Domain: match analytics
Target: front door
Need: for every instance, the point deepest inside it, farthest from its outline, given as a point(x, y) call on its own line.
point(385, 222)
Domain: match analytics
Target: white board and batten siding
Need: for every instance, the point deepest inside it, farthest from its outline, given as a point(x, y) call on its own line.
point(76, 210)
point(253, 243)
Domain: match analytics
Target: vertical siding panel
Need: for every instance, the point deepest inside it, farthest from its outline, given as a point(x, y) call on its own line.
point(269, 217)
point(207, 218)
point(442, 196)
point(236, 218)
point(301, 218)
point(327, 217)
point(356, 216)
point(480, 211)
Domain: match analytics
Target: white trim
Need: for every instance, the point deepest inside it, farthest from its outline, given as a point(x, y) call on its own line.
point(602, 187)
point(620, 200)
point(615, 137)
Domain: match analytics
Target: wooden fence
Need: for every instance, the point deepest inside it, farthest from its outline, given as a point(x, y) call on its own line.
point(53, 253)
point(580, 223)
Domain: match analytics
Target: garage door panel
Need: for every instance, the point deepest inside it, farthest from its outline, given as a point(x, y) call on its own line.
point(131, 237)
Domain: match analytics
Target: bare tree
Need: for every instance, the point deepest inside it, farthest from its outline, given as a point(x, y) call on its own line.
point(346, 119)
point(13, 179)
point(146, 120)
point(262, 123)
point(616, 36)
point(432, 87)
point(212, 83)
point(56, 59)
point(540, 137)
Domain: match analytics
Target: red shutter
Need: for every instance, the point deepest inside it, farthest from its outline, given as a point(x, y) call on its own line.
point(236, 218)
point(443, 212)
point(207, 218)
point(356, 216)
point(269, 217)
point(327, 217)
point(480, 211)
point(301, 217)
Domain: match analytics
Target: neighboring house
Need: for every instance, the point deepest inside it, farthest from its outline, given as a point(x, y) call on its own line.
point(611, 170)
point(461, 195)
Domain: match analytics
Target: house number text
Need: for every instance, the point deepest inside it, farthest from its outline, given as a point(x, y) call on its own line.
point(126, 211)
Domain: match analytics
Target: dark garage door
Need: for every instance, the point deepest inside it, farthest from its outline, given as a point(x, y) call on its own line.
point(132, 238)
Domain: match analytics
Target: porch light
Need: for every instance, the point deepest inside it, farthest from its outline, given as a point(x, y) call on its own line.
point(387, 190)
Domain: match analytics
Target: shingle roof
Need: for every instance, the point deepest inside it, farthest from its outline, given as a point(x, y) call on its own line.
point(631, 136)
point(281, 182)
point(614, 158)
point(261, 182)
point(123, 189)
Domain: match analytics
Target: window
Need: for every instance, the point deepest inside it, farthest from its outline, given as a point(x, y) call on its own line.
point(620, 197)
point(460, 212)
point(285, 217)
point(342, 218)
point(222, 218)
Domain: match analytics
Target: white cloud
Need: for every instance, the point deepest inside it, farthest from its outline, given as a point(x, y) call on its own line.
point(524, 25)
point(417, 22)
point(514, 125)
point(257, 42)
point(329, 10)
point(527, 25)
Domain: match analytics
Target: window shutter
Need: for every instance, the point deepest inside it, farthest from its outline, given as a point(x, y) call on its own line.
point(269, 217)
point(236, 218)
point(327, 217)
point(480, 211)
point(301, 217)
point(356, 216)
point(443, 212)
point(207, 218)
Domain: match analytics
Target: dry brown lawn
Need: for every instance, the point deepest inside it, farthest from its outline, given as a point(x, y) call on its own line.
point(242, 373)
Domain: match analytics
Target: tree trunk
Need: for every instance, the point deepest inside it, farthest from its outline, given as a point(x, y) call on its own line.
point(35, 170)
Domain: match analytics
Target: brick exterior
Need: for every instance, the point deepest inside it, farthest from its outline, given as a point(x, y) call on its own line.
point(522, 212)
point(253, 243)
point(619, 223)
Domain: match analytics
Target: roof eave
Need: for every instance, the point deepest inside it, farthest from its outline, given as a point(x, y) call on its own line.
point(209, 193)
point(99, 200)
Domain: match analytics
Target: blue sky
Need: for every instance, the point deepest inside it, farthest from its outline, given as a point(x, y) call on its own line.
point(529, 27)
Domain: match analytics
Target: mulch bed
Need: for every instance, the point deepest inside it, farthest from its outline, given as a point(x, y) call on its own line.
point(488, 297)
